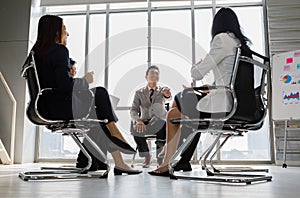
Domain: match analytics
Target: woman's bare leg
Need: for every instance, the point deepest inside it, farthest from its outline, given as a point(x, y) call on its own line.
point(173, 135)
point(114, 131)
point(119, 162)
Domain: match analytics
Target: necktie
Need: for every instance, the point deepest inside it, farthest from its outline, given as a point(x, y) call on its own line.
point(151, 94)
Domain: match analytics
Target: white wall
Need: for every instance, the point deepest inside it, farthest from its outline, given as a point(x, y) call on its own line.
point(14, 43)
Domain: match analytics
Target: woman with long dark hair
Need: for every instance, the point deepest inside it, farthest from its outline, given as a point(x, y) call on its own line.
point(53, 67)
point(226, 37)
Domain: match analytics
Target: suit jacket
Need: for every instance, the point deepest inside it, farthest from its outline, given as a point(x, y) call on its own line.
point(54, 72)
point(220, 60)
point(144, 109)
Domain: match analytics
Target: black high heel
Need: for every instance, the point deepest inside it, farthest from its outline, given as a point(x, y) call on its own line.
point(162, 174)
point(120, 171)
point(122, 146)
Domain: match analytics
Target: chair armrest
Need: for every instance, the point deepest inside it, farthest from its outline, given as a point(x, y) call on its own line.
point(47, 91)
point(206, 88)
point(89, 120)
point(214, 87)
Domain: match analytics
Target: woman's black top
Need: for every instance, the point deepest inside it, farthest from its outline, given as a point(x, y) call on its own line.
point(54, 72)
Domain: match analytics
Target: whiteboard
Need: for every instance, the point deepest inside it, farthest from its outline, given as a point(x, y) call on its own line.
point(286, 86)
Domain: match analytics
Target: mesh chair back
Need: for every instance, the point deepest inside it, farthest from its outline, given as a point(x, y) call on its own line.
point(245, 90)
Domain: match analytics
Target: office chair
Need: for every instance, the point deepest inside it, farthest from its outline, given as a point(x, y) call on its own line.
point(75, 128)
point(232, 124)
point(150, 137)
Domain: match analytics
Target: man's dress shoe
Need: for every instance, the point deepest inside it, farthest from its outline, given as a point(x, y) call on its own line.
point(82, 162)
point(183, 167)
point(147, 162)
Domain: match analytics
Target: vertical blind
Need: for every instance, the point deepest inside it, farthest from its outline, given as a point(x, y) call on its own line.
point(284, 25)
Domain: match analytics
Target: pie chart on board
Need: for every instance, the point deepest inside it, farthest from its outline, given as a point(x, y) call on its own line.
point(287, 79)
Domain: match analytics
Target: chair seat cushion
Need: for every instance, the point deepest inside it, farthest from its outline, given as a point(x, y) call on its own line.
point(231, 124)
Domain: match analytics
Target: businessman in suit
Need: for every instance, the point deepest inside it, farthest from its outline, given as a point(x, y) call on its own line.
point(148, 113)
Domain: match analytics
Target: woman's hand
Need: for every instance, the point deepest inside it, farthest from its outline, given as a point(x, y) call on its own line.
point(166, 91)
point(89, 77)
point(205, 91)
point(192, 85)
point(198, 62)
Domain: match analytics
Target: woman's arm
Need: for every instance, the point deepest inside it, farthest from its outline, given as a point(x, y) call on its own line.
point(212, 59)
point(63, 79)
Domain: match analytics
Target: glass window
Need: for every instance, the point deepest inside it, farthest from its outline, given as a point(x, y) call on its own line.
point(254, 31)
point(169, 3)
point(203, 23)
point(76, 26)
point(68, 8)
point(203, 2)
point(54, 145)
point(225, 2)
point(237, 1)
point(128, 5)
point(127, 54)
point(96, 52)
point(98, 7)
point(171, 47)
point(254, 145)
point(127, 62)
point(171, 50)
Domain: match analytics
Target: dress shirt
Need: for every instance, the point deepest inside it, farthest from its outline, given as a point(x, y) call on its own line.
point(143, 108)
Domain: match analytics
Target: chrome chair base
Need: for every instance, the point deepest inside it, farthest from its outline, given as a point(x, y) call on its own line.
point(210, 174)
point(226, 179)
point(230, 169)
point(70, 172)
point(60, 174)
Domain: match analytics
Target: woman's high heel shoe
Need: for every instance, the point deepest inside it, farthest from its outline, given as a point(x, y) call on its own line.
point(120, 171)
point(121, 145)
point(162, 174)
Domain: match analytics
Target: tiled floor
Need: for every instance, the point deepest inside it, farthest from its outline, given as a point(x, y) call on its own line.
point(285, 184)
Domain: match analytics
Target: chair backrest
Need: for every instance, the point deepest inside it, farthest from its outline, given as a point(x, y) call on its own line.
point(250, 102)
point(29, 72)
point(244, 87)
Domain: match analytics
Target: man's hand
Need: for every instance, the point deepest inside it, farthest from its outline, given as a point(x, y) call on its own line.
point(140, 127)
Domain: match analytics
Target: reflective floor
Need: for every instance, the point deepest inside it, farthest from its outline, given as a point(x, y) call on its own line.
point(285, 184)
